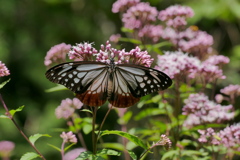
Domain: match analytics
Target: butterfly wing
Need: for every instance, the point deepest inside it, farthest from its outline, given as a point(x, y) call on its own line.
point(89, 80)
point(143, 80)
point(120, 95)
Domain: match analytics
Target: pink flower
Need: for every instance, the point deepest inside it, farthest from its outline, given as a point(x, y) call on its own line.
point(115, 38)
point(123, 5)
point(57, 54)
point(73, 154)
point(6, 147)
point(176, 15)
point(68, 137)
point(200, 110)
point(3, 70)
point(135, 56)
point(231, 90)
point(177, 64)
point(209, 136)
point(67, 108)
point(82, 52)
point(151, 32)
point(139, 15)
point(230, 137)
point(163, 141)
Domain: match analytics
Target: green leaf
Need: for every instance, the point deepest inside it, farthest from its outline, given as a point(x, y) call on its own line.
point(117, 146)
point(13, 111)
point(55, 147)
point(85, 155)
point(132, 155)
point(35, 137)
point(170, 154)
point(57, 88)
point(86, 110)
point(110, 152)
point(149, 112)
point(4, 116)
point(130, 137)
point(125, 118)
point(69, 146)
point(4, 83)
point(29, 156)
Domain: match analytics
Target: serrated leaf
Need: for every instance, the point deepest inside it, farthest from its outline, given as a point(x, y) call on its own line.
point(55, 147)
point(35, 137)
point(130, 137)
point(132, 155)
point(57, 88)
point(29, 156)
point(4, 83)
point(110, 152)
point(13, 111)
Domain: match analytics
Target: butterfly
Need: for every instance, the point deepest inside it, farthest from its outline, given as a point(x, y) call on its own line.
point(121, 84)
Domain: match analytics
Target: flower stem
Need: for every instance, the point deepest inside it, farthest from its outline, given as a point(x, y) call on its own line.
point(94, 138)
point(62, 149)
point(19, 129)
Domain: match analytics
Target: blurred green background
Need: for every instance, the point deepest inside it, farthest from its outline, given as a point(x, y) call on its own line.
point(29, 28)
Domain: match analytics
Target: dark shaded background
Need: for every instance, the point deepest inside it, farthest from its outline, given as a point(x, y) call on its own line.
point(29, 28)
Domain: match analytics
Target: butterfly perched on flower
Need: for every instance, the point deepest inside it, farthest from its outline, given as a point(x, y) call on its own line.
point(96, 82)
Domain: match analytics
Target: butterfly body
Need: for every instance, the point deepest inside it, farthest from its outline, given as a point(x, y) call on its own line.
point(121, 84)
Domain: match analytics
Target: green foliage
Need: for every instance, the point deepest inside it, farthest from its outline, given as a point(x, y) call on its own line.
point(13, 111)
point(29, 156)
point(4, 83)
point(35, 137)
point(89, 155)
point(128, 136)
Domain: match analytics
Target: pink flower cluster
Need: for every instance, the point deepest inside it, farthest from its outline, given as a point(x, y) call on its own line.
point(231, 90)
point(106, 53)
point(175, 16)
point(3, 70)
point(67, 108)
point(200, 110)
point(228, 137)
point(139, 15)
point(123, 5)
point(209, 136)
point(190, 40)
point(163, 141)
point(177, 64)
point(82, 51)
point(6, 147)
point(57, 54)
point(151, 32)
point(68, 137)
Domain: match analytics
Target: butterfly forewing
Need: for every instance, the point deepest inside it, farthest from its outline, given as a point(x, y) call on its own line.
point(87, 79)
point(143, 80)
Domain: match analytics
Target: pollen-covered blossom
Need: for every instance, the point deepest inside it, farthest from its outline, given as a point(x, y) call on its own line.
point(139, 15)
point(67, 108)
point(68, 137)
point(200, 110)
point(176, 15)
point(208, 136)
point(163, 141)
point(57, 54)
point(3, 70)
point(82, 52)
point(73, 154)
point(123, 5)
point(177, 63)
point(151, 32)
point(230, 137)
point(6, 147)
